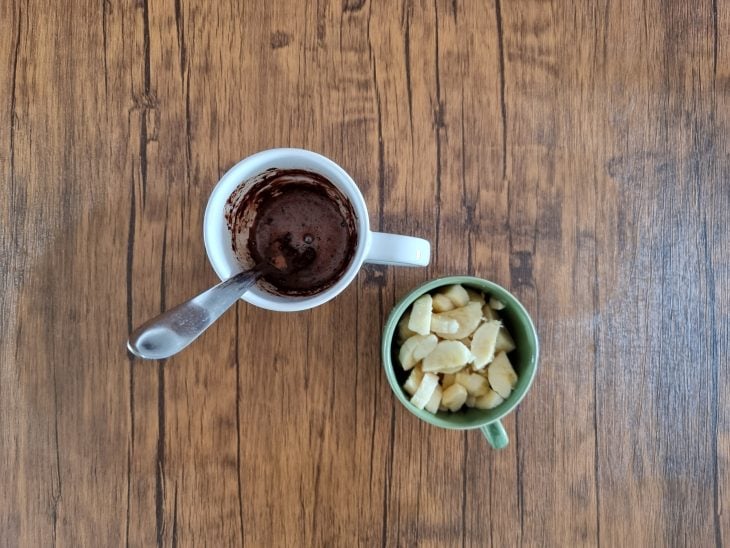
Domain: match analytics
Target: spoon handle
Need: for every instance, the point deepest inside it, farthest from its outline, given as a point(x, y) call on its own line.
point(174, 329)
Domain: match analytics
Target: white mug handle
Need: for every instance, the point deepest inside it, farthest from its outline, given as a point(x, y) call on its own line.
point(398, 250)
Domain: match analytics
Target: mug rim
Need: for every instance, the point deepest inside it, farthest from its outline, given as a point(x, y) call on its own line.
point(388, 334)
point(217, 244)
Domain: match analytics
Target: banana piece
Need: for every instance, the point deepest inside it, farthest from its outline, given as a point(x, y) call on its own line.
point(496, 304)
point(448, 379)
point(475, 385)
point(501, 375)
point(414, 379)
point(447, 357)
point(441, 303)
point(470, 401)
point(490, 400)
point(420, 320)
point(454, 397)
point(483, 343)
point(505, 342)
point(467, 317)
point(476, 296)
point(428, 386)
point(453, 370)
point(489, 313)
point(403, 332)
point(415, 349)
point(433, 404)
point(442, 325)
point(457, 295)
point(425, 346)
point(405, 353)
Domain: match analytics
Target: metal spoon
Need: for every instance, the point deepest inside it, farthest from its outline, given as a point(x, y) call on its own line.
point(173, 330)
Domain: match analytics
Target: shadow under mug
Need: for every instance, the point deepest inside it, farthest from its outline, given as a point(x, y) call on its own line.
point(372, 247)
point(524, 360)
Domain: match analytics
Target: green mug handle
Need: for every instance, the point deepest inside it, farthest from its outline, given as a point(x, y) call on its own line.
point(496, 434)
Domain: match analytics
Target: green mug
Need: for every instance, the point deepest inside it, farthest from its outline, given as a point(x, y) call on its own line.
point(523, 358)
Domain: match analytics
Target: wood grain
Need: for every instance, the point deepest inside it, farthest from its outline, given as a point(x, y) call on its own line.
point(577, 153)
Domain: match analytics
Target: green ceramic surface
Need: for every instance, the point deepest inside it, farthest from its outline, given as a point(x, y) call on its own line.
point(524, 359)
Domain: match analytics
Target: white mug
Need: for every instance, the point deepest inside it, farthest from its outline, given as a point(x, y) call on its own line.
point(372, 247)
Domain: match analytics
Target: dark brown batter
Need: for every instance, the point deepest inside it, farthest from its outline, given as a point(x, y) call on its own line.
point(299, 223)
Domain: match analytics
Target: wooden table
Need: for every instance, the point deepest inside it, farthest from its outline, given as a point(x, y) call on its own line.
point(575, 152)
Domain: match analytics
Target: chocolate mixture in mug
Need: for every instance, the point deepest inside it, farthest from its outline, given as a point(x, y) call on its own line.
point(299, 223)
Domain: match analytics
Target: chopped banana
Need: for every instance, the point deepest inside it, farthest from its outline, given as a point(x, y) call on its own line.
point(425, 346)
point(403, 332)
point(454, 397)
point(490, 400)
point(405, 354)
point(455, 347)
point(475, 385)
point(448, 380)
point(452, 370)
point(447, 357)
point(435, 401)
point(442, 325)
point(425, 390)
point(476, 296)
point(441, 303)
point(457, 295)
point(414, 379)
point(468, 318)
point(505, 342)
point(496, 304)
point(501, 375)
point(483, 343)
point(415, 349)
point(420, 321)
point(489, 313)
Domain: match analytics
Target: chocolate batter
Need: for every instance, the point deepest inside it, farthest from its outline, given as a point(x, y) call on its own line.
point(299, 223)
